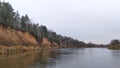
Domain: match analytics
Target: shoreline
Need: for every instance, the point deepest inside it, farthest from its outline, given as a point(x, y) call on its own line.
point(17, 49)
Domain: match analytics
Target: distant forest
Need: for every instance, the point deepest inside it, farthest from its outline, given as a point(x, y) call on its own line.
point(12, 19)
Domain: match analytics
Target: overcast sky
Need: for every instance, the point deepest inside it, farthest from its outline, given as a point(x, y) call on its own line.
point(97, 21)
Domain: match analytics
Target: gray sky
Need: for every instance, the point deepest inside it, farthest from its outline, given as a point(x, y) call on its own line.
point(97, 21)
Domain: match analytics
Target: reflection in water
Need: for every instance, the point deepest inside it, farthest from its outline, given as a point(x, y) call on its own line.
point(64, 58)
point(47, 58)
point(17, 60)
point(42, 59)
point(115, 53)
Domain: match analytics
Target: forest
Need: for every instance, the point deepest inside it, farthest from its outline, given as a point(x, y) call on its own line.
point(12, 19)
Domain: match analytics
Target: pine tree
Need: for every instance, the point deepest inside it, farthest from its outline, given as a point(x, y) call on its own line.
point(6, 14)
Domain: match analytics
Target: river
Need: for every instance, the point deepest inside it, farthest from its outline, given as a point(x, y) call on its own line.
point(64, 58)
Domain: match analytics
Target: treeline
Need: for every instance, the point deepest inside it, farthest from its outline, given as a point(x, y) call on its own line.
point(12, 19)
point(114, 44)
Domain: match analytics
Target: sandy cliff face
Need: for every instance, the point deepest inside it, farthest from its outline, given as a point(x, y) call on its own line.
point(10, 36)
point(13, 41)
point(47, 44)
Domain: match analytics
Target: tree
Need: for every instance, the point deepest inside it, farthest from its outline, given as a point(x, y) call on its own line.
point(53, 37)
point(44, 31)
point(115, 42)
point(24, 23)
point(6, 14)
point(17, 21)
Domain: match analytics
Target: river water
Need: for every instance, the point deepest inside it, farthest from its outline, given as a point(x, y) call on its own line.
point(64, 58)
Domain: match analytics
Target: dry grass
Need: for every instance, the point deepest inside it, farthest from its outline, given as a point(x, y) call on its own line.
point(17, 49)
point(114, 47)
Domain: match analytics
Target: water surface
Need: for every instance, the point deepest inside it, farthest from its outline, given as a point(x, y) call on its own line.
point(64, 58)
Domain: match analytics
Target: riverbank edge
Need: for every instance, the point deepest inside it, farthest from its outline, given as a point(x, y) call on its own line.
point(17, 49)
point(114, 47)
